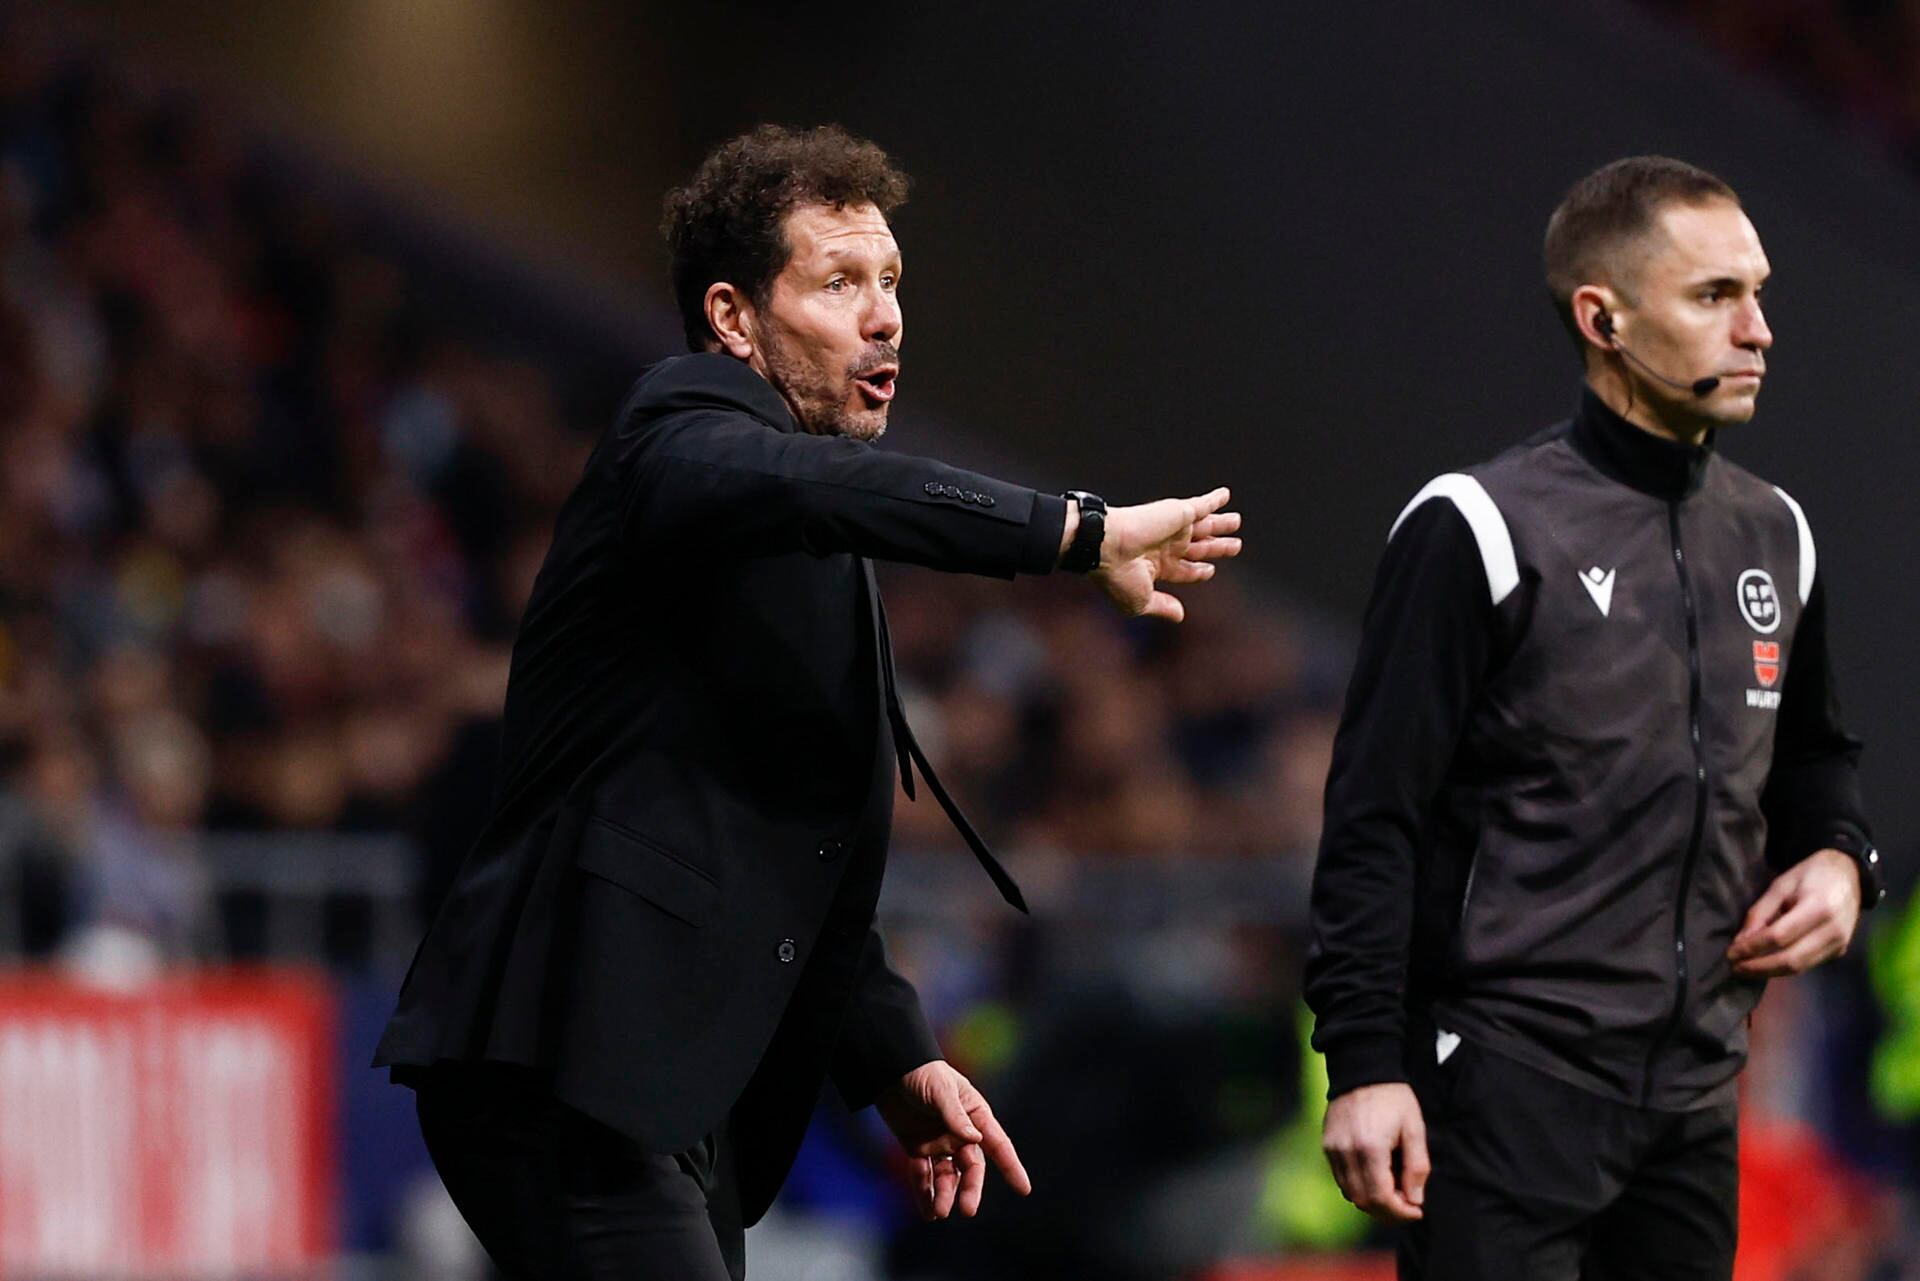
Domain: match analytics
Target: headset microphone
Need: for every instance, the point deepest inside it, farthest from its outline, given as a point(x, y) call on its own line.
point(1699, 386)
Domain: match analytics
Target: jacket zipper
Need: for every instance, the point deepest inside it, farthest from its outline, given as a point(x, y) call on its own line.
point(1699, 810)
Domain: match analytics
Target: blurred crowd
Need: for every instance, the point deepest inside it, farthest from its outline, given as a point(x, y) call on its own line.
point(1857, 58)
point(264, 527)
point(271, 511)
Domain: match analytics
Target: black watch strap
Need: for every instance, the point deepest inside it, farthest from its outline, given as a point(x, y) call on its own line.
point(1083, 557)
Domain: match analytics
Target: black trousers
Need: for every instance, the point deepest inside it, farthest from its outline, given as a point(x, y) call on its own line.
point(556, 1196)
point(1535, 1179)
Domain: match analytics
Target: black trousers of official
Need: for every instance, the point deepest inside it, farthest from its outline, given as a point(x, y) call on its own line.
point(1536, 1179)
point(555, 1196)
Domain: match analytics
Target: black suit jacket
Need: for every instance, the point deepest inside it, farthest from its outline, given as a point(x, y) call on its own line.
point(670, 913)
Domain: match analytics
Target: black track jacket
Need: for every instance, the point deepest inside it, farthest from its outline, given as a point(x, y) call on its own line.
point(1592, 716)
point(670, 915)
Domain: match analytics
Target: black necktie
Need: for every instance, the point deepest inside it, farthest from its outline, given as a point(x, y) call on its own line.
point(910, 755)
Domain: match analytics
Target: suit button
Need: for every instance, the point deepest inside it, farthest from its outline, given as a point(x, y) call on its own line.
point(951, 491)
point(831, 850)
point(932, 487)
point(970, 496)
point(986, 500)
point(786, 952)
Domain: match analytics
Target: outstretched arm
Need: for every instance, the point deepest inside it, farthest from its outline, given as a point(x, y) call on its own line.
point(715, 484)
point(723, 484)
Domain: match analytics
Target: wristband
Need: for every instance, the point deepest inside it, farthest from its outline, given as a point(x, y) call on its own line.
point(1083, 557)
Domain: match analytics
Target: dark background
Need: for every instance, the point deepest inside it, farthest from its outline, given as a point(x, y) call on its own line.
point(1293, 248)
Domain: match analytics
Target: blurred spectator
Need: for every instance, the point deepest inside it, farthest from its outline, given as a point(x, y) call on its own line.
point(36, 853)
point(144, 897)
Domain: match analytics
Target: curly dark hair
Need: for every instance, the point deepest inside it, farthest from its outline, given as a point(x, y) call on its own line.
point(726, 224)
point(1606, 213)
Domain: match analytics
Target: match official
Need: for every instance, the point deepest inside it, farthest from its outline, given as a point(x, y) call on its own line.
point(1590, 789)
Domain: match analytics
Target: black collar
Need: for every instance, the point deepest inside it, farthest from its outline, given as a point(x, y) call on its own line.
point(1652, 464)
point(709, 380)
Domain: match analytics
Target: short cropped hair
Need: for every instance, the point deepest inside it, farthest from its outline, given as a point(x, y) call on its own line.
point(726, 224)
point(1597, 226)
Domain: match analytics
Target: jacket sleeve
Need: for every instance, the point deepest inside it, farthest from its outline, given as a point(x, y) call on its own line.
point(1424, 650)
point(1812, 798)
point(885, 1034)
point(708, 483)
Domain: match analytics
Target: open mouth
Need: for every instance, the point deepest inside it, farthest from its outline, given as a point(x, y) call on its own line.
point(877, 384)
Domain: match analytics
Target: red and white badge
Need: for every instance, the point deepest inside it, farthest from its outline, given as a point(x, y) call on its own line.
point(1766, 662)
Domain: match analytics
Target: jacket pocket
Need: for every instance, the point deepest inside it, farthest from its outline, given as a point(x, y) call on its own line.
point(630, 861)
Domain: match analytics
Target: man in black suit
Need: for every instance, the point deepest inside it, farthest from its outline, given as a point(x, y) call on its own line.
point(664, 940)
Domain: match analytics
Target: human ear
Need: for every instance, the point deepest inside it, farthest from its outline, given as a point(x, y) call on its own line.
point(1594, 312)
point(730, 316)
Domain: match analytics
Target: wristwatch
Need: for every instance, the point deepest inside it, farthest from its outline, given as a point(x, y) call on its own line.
point(1083, 557)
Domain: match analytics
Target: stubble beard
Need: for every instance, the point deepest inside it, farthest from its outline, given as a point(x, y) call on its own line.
point(819, 405)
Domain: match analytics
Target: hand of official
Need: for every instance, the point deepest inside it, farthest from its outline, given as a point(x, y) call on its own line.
point(945, 1123)
point(1363, 1130)
point(1806, 916)
point(1176, 540)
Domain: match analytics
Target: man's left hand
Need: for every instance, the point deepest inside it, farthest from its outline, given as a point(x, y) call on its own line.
point(946, 1125)
point(1174, 540)
point(1806, 917)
